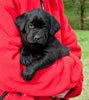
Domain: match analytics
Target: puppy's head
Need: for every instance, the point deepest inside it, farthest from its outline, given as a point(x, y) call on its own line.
point(37, 26)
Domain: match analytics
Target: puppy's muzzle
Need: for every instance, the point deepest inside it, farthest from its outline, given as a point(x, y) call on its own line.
point(36, 37)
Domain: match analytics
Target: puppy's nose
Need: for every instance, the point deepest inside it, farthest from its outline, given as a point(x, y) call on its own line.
point(36, 37)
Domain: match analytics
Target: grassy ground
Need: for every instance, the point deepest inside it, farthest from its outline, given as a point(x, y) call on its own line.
point(83, 39)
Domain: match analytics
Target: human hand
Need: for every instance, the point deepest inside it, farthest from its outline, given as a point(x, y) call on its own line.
point(62, 95)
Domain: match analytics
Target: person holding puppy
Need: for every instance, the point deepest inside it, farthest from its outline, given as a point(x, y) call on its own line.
point(63, 79)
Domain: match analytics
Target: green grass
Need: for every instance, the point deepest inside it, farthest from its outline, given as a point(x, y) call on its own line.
point(83, 40)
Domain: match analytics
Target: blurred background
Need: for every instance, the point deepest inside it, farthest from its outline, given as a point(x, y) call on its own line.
point(77, 12)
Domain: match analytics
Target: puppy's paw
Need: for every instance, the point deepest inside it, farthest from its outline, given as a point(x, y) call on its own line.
point(28, 73)
point(26, 60)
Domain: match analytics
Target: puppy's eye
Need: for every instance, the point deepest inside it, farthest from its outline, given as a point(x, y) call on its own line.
point(31, 26)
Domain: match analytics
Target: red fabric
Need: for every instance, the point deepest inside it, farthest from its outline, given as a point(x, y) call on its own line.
point(64, 74)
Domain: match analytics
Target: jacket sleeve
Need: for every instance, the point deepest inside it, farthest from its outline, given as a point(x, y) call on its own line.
point(69, 39)
point(63, 75)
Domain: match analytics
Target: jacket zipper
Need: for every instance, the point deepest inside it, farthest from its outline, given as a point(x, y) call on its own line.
point(41, 1)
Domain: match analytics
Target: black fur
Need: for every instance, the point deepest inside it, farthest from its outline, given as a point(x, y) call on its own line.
point(37, 29)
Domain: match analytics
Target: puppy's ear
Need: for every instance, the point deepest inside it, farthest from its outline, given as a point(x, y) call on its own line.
point(20, 22)
point(55, 26)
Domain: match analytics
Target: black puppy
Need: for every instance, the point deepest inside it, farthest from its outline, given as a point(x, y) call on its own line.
point(37, 29)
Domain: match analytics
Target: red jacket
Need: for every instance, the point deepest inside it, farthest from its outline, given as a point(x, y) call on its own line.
point(64, 74)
